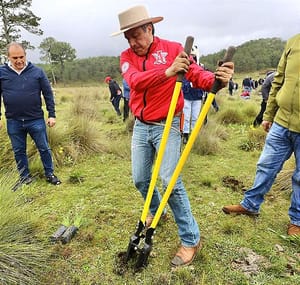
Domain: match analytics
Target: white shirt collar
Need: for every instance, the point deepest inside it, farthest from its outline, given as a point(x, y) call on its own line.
point(17, 71)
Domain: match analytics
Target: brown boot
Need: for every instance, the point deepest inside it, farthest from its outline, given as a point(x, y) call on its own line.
point(293, 230)
point(185, 255)
point(238, 210)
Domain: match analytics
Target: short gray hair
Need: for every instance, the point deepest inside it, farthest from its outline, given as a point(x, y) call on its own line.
point(14, 44)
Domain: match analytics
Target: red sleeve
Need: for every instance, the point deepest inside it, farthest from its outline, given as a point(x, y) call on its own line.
point(200, 77)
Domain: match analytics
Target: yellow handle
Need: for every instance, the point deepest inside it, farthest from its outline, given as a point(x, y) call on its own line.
point(177, 89)
point(183, 158)
point(161, 149)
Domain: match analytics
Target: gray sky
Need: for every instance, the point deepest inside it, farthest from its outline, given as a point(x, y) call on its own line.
point(215, 24)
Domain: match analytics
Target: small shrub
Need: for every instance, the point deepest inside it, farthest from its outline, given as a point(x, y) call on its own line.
point(255, 140)
point(76, 177)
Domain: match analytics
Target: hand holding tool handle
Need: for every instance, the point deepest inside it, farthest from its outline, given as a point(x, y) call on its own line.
point(187, 48)
point(228, 57)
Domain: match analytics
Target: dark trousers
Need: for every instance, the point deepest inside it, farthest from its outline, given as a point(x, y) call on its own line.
point(116, 104)
point(126, 109)
point(259, 118)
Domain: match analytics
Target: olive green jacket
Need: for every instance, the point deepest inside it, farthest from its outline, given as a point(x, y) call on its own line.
point(283, 105)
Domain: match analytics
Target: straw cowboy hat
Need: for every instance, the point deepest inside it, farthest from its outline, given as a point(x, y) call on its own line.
point(133, 18)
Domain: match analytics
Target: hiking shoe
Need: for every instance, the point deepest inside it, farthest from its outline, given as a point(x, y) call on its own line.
point(53, 180)
point(293, 230)
point(238, 210)
point(23, 181)
point(150, 218)
point(185, 255)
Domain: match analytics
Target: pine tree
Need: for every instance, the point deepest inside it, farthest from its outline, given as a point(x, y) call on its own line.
point(14, 16)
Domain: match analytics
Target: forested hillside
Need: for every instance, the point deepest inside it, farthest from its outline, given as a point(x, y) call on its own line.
point(251, 56)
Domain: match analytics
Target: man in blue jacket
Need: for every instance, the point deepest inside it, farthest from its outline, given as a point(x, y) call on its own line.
point(21, 85)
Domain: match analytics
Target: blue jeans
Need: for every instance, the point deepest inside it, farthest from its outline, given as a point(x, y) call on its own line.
point(17, 131)
point(279, 146)
point(191, 112)
point(145, 143)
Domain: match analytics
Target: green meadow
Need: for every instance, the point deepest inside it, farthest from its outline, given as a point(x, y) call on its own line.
point(91, 150)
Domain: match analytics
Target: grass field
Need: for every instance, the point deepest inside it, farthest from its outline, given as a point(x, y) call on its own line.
point(91, 148)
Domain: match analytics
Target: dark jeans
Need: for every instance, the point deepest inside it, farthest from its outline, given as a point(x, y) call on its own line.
point(17, 131)
point(116, 103)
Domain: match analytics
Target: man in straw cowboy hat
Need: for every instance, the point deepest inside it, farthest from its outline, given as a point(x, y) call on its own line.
point(150, 66)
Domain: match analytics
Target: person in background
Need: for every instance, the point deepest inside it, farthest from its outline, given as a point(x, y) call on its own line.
point(21, 85)
point(265, 89)
point(192, 106)
point(126, 96)
point(115, 94)
point(247, 85)
point(231, 86)
point(150, 66)
point(282, 122)
point(192, 101)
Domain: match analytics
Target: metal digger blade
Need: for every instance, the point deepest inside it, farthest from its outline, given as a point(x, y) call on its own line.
point(145, 251)
point(134, 241)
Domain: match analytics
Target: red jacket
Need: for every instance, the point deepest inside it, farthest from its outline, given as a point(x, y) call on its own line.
point(150, 90)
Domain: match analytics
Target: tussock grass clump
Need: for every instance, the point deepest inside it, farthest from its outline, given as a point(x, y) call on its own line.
point(231, 116)
point(83, 134)
point(209, 140)
point(85, 106)
point(6, 153)
point(130, 123)
point(22, 257)
point(254, 141)
point(80, 132)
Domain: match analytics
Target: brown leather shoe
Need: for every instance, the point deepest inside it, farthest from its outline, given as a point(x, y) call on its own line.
point(238, 210)
point(185, 255)
point(293, 230)
point(150, 218)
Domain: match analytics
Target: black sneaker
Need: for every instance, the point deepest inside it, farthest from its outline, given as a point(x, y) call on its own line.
point(53, 180)
point(24, 180)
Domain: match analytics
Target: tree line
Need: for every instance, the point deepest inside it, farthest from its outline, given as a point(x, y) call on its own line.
point(255, 55)
point(251, 56)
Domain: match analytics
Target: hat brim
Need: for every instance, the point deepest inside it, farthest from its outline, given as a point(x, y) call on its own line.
point(138, 24)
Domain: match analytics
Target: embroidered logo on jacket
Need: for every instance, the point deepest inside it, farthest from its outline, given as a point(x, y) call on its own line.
point(160, 57)
point(125, 67)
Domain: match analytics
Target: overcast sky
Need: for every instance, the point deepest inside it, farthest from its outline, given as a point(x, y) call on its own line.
point(215, 24)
